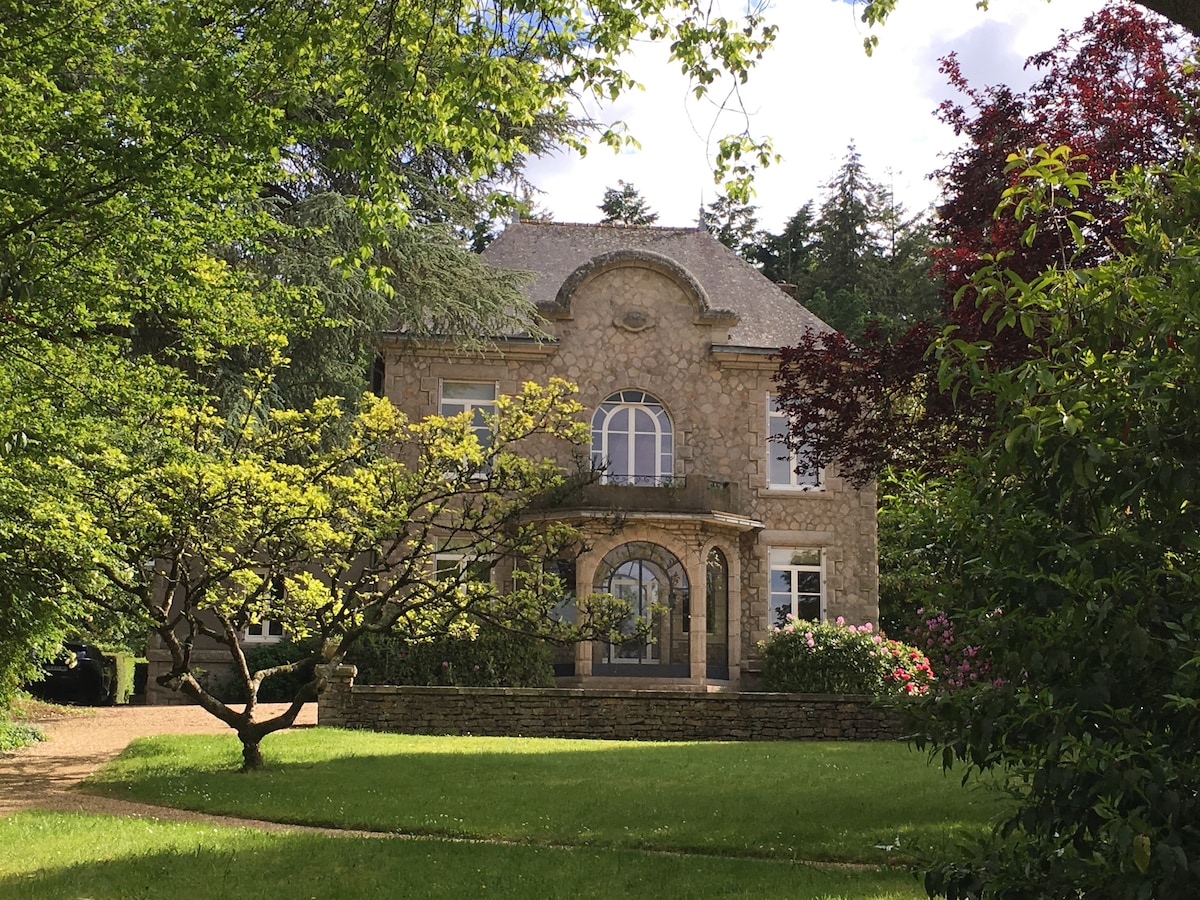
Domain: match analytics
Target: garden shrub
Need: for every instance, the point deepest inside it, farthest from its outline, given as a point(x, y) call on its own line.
point(282, 687)
point(836, 658)
point(959, 664)
point(493, 658)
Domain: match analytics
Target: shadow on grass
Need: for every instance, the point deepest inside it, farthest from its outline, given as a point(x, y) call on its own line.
point(45, 855)
point(847, 802)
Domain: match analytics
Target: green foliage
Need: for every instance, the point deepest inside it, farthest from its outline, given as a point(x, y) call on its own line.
point(919, 557)
point(835, 658)
point(735, 225)
point(195, 190)
point(1079, 545)
point(624, 205)
point(858, 259)
point(14, 735)
point(490, 658)
point(284, 685)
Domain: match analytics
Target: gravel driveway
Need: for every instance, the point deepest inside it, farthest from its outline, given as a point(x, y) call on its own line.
point(43, 774)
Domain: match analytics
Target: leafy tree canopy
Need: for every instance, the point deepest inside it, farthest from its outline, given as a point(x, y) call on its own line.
point(857, 259)
point(624, 205)
point(883, 399)
point(1078, 539)
point(193, 190)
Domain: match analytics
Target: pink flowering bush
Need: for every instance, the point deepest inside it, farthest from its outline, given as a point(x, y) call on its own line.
point(836, 658)
point(960, 665)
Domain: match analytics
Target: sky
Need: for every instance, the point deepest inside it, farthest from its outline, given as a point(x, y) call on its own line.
point(814, 94)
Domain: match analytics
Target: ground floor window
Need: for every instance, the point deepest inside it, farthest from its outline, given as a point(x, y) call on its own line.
point(268, 631)
point(797, 586)
point(654, 583)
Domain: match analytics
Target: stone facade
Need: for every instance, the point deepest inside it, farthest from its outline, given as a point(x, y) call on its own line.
point(674, 314)
point(605, 714)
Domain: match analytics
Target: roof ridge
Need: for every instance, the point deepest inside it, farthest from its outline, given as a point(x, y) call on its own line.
point(613, 226)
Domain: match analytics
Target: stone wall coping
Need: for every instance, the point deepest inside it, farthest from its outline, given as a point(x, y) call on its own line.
point(602, 693)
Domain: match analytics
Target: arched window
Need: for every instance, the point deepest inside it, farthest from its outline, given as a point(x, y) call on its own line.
point(631, 440)
point(716, 592)
point(654, 583)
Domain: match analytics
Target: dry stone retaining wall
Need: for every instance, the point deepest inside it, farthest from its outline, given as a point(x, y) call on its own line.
point(614, 715)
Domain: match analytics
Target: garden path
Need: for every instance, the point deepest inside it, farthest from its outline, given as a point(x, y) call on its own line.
point(42, 775)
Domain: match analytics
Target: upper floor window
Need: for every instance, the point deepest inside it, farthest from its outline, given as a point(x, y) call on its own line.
point(782, 461)
point(631, 440)
point(476, 397)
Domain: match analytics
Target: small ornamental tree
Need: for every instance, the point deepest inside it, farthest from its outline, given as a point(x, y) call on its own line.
point(339, 533)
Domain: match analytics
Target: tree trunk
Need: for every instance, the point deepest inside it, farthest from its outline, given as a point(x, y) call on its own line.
point(251, 753)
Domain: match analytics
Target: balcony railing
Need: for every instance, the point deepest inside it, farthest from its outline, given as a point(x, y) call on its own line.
point(695, 494)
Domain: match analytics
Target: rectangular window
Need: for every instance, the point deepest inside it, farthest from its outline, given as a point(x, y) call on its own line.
point(268, 631)
point(797, 586)
point(460, 566)
point(476, 397)
point(782, 461)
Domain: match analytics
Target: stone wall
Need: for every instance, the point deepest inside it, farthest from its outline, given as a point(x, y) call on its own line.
point(611, 715)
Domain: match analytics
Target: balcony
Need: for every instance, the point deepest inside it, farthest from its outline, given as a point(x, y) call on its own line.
point(695, 494)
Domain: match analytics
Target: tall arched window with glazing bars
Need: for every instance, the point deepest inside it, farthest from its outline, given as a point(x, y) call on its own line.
point(632, 441)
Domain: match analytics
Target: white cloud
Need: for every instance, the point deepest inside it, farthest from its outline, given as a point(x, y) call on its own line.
point(814, 94)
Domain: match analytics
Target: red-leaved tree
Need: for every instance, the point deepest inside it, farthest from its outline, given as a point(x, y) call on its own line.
point(1118, 94)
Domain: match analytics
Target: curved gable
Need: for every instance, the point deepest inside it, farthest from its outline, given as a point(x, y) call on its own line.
point(638, 259)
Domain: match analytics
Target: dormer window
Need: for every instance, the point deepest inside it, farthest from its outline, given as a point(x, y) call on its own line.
point(632, 440)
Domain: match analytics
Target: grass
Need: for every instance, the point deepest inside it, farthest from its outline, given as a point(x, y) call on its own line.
point(502, 817)
point(865, 803)
point(47, 855)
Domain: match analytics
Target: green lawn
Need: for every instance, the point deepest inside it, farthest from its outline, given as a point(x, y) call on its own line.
point(46, 856)
point(844, 802)
point(540, 818)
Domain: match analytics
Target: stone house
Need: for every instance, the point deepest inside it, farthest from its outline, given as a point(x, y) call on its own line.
point(669, 337)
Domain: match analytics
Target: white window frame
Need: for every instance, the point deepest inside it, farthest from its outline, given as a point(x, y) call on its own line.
point(633, 401)
point(460, 559)
point(777, 451)
point(776, 557)
point(270, 631)
point(453, 406)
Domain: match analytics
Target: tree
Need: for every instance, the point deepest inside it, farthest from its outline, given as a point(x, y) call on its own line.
point(858, 259)
point(886, 403)
point(790, 256)
point(337, 537)
point(1181, 12)
point(1079, 543)
point(623, 205)
point(188, 187)
point(735, 225)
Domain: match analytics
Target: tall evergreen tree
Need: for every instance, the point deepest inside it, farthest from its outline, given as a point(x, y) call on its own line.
point(624, 205)
point(735, 225)
point(790, 256)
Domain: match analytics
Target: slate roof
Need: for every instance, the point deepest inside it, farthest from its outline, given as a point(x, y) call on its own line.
point(767, 317)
